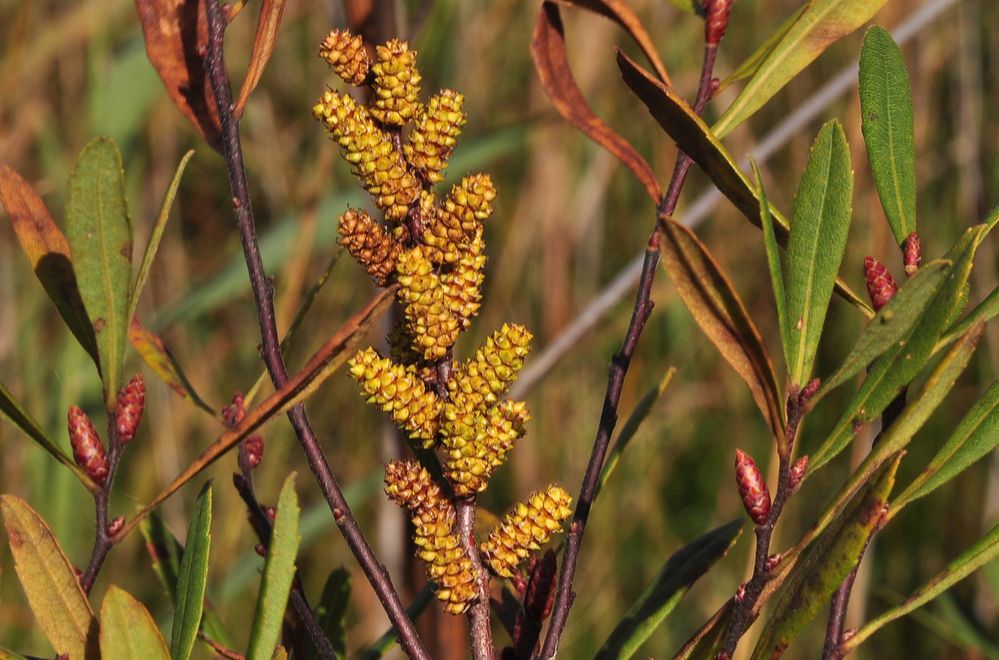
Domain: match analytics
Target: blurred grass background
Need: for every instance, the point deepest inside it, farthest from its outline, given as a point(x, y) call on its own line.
point(567, 219)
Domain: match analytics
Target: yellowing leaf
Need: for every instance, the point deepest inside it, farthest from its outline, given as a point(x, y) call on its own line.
point(128, 632)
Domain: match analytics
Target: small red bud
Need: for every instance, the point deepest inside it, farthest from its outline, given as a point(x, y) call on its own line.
point(716, 20)
point(809, 391)
point(912, 254)
point(234, 413)
point(254, 446)
point(115, 526)
point(740, 593)
point(773, 560)
point(797, 473)
point(880, 283)
point(128, 412)
point(270, 512)
point(752, 487)
point(88, 451)
point(260, 549)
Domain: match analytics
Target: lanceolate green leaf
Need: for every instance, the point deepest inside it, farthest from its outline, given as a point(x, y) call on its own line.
point(773, 264)
point(192, 578)
point(155, 235)
point(100, 236)
point(891, 324)
point(752, 63)
point(49, 582)
point(695, 139)
point(819, 225)
point(978, 555)
point(667, 588)
point(127, 630)
point(821, 24)
point(976, 436)
point(824, 565)
point(331, 609)
point(279, 571)
point(986, 310)
point(886, 112)
point(899, 365)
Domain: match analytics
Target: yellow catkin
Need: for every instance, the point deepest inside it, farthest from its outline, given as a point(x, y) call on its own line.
point(476, 443)
point(435, 132)
point(373, 248)
point(528, 527)
point(454, 224)
point(399, 392)
point(410, 485)
point(396, 84)
point(345, 54)
point(380, 167)
point(484, 378)
point(463, 283)
point(429, 322)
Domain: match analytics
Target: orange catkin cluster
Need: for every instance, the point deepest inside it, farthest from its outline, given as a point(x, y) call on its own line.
point(433, 250)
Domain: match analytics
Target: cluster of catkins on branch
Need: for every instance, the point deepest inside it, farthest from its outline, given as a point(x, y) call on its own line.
point(88, 449)
point(434, 250)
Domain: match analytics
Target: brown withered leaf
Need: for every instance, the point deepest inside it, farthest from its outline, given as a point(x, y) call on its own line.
point(707, 292)
point(552, 64)
point(622, 14)
point(176, 34)
point(333, 353)
point(48, 251)
point(263, 46)
point(158, 357)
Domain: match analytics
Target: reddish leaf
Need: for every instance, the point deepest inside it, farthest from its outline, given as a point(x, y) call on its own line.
point(621, 14)
point(263, 46)
point(48, 251)
point(708, 294)
point(552, 64)
point(158, 357)
point(176, 33)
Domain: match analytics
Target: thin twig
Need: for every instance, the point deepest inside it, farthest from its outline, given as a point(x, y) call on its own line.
point(103, 539)
point(618, 370)
point(478, 616)
point(271, 347)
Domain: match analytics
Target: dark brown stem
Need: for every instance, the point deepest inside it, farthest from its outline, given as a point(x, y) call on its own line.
point(478, 615)
point(263, 296)
point(564, 594)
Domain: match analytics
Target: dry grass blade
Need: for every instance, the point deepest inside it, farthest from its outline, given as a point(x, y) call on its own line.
point(552, 64)
point(263, 45)
point(176, 33)
point(322, 364)
point(621, 14)
point(708, 293)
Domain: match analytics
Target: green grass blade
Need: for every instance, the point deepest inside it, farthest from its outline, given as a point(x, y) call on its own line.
point(887, 124)
point(128, 631)
point(820, 222)
point(822, 23)
point(100, 236)
point(773, 264)
point(279, 571)
point(192, 578)
point(156, 235)
point(663, 594)
point(978, 555)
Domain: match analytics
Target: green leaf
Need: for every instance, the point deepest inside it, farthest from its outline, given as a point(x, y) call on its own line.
point(819, 572)
point(985, 311)
point(635, 419)
point(716, 307)
point(192, 578)
point(127, 629)
point(899, 365)
point(978, 555)
point(773, 264)
point(900, 433)
point(6, 654)
point(975, 437)
point(663, 594)
point(49, 581)
point(752, 63)
point(822, 23)
point(279, 571)
point(891, 324)
point(696, 140)
point(331, 610)
point(886, 120)
point(820, 222)
point(14, 412)
point(155, 235)
point(100, 235)
point(167, 553)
